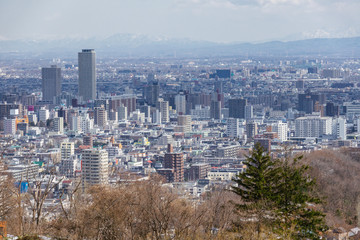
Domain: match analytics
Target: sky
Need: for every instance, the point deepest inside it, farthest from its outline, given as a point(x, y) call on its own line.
point(211, 20)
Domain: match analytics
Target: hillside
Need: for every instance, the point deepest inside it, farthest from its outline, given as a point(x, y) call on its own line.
point(127, 45)
point(338, 179)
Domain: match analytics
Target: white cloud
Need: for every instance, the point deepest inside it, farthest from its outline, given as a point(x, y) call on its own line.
point(270, 2)
point(214, 20)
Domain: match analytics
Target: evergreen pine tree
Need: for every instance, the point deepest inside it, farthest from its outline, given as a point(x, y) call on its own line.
point(295, 202)
point(255, 186)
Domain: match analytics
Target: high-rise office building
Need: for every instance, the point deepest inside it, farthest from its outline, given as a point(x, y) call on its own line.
point(100, 116)
point(281, 129)
point(163, 107)
point(249, 112)
point(75, 123)
point(251, 130)
point(51, 83)
point(59, 125)
point(215, 110)
point(307, 101)
point(331, 110)
point(122, 113)
point(184, 124)
point(232, 128)
point(87, 74)
point(193, 99)
point(68, 160)
point(152, 93)
point(237, 108)
point(180, 104)
point(147, 111)
point(67, 150)
point(95, 166)
point(156, 117)
point(339, 128)
point(9, 126)
point(175, 161)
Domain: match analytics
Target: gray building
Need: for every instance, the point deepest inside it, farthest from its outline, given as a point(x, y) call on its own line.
point(87, 74)
point(215, 110)
point(228, 151)
point(198, 171)
point(51, 82)
point(23, 172)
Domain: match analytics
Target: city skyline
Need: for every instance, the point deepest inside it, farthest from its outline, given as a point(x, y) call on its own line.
point(180, 119)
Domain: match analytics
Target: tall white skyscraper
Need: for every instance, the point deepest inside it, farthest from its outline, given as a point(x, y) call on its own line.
point(59, 125)
point(281, 129)
point(75, 123)
point(95, 166)
point(156, 117)
point(339, 128)
point(51, 82)
point(232, 128)
point(68, 159)
point(180, 104)
point(163, 107)
point(87, 74)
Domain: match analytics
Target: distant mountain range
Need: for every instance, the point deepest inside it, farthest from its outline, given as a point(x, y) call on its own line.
point(128, 45)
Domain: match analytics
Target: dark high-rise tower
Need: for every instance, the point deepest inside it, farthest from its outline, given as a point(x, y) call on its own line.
point(87, 74)
point(215, 110)
point(237, 108)
point(306, 99)
point(51, 82)
point(331, 110)
point(152, 93)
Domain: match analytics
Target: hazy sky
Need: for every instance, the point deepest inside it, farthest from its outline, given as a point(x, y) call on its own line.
point(213, 20)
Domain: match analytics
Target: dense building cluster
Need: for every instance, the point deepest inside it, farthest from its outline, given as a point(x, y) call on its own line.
point(189, 120)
